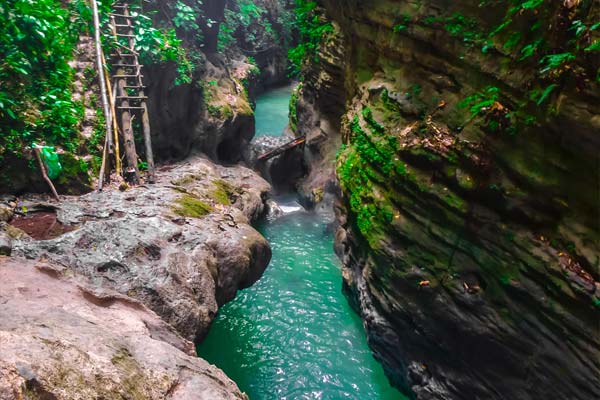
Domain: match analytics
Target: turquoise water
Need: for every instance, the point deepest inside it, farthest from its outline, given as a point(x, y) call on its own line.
point(272, 110)
point(293, 335)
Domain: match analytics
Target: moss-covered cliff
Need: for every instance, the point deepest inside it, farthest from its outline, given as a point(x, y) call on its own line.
point(469, 174)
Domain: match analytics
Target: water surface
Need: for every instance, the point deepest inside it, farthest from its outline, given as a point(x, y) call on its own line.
point(272, 109)
point(293, 335)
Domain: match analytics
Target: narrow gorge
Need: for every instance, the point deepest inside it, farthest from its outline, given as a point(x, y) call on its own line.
point(295, 199)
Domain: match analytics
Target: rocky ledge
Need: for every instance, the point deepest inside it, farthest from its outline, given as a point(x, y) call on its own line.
point(62, 337)
point(182, 247)
point(469, 240)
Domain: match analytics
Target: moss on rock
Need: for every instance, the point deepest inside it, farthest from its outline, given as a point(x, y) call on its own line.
point(190, 206)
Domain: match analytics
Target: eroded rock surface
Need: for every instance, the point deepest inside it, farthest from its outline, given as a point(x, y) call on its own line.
point(62, 338)
point(470, 249)
point(183, 246)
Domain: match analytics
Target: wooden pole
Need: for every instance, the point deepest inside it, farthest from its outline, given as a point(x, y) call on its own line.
point(116, 132)
point(100, 67)
point(128, 137)
point(45, 174)
point(103, 166)
point(147, 140)
point(113, 122)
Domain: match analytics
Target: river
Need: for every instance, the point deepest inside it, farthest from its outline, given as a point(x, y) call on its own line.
point(293, 334)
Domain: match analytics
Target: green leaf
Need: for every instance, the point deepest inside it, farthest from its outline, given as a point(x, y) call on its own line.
point(595, 46)
point(545, 94)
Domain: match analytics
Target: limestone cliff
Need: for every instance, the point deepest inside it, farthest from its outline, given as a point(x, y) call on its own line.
point(469, 175)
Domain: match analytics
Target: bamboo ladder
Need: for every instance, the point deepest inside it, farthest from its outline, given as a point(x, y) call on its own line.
point(129, 99)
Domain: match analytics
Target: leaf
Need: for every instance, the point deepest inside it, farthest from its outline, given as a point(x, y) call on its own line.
point(545, 94)
point(594, 46)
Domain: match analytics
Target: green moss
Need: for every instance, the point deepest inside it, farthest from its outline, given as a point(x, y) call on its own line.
point(223, 192)
point(455, 202)
point(364, 75)
point(293, 113)
point(189, 206)
point(314, 29)
point(373, 211)
point(134, 379)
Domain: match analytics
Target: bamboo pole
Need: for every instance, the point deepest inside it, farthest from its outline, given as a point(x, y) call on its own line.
point(36, 150)
point(103, 166)
point(147, 140)
point(118, 164)
point(100, 66)
point(113, 121)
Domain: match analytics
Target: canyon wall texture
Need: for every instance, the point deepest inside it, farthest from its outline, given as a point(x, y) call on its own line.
point(469, 174)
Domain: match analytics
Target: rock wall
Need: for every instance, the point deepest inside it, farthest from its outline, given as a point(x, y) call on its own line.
point(213, 114)
point(470, 247)
point(62, 338)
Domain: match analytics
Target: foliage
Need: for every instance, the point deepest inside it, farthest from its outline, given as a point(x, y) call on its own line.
point(370, 151)
point(156, 45)
point(520, 36)
point(36, 41)
point(293, 112)
point(481, 101)
point(247, 21)
point(186, 17)
point(313, 29)
point(403, 24)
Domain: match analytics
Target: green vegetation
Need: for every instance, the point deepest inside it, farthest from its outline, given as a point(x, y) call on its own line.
point(313, 29)
point(190, 206)
point(371, 150)
point(36, 42)
point(293, 113)
point(224, 193)
point(526, 34)
point(161, 45)
point(247, 17)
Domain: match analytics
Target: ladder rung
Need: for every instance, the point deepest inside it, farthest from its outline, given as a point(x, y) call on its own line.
point(123, 55)
point(127, 65)
point(121, 5)
point(125, 35)
point(131, 108)
point(133, 97)
point(134, 87)
point(121, 15)
point(127, 76)
point(123, 26)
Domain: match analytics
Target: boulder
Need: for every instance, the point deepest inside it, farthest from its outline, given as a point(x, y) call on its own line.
point(63, 338)
point(183, 246)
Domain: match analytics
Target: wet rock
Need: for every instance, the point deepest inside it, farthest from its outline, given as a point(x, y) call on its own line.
point(183, 246)
point(212, 116)
point(320, 104)
point(61, 338)
point(6, 213)
point(274, 211)
point(282, 171)
point(5, 244)
point(470, 253)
